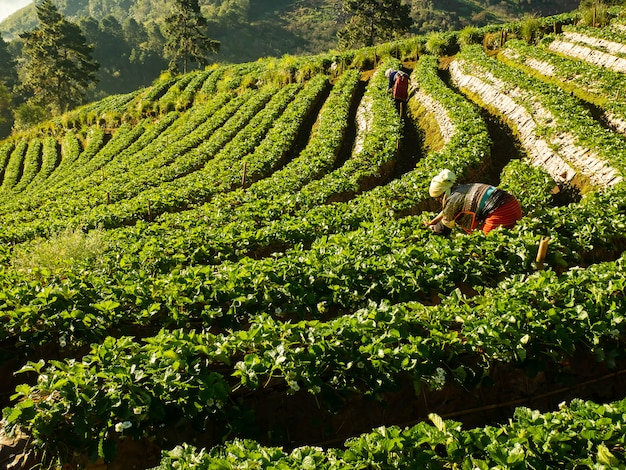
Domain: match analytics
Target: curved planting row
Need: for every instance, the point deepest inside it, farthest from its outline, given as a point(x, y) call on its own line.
point(225, 170)
point(396, 261)
point(267, 215)
point(594, 84)
point(581, 434)
point(555, 130)
point(13, 167)
point(603, 46)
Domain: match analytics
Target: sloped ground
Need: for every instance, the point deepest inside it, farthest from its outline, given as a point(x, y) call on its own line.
point(293, 419)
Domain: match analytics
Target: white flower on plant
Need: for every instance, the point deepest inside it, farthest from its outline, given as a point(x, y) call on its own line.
point(121, 426)
point(293, 385)
point(439, 380)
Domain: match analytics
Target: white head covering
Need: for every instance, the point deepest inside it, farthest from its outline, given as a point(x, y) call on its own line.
point(442, 183)
point(388, 72)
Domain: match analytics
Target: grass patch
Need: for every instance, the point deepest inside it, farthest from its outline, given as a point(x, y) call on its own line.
point(60, 251)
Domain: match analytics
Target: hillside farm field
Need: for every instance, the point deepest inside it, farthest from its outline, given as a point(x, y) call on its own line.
point(229, 269)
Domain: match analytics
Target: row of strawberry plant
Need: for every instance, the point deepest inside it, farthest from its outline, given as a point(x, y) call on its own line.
point(5, 154)
point(255, 200)
point(150, 150)
point(76, 195)
point(187, 96)
point(179, 149)
point(30, 165)
point(53, 329)
point(50, 159)
point(555, 116)
point(397, 261)
point(224, 171)
point(607, 39)
point(70, 149)
point(167, 101)
point(106, 151)
point(532, 185)
point(168, 144)
point(13, 168)
point(91, 114)
point(597, 85)
point(319, 155)
point(526, 318)
point(321, 219)
point(238, 214)
point(20, 206)
point(589, 49)
point(581, 434)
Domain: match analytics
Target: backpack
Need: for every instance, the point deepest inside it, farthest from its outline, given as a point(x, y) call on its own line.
point(401, 86)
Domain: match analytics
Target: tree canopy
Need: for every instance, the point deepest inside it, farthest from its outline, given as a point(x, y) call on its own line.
point(187, 41)
point(59, 66)
point(373, 21)
point(8, 70)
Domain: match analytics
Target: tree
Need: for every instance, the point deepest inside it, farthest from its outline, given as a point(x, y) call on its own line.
point(8, 80)
point(186, 39)
point(8, 70)
point(60, 67)
point(112, 52)
point(373, 21)
point(146, 51)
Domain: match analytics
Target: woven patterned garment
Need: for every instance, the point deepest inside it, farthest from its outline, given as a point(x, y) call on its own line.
point(469, 205)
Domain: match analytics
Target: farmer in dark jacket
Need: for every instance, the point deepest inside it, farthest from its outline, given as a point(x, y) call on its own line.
point(471, 206)
point(399, 90)
point(391, 76)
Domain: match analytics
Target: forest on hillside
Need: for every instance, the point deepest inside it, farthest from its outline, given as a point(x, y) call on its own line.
point(128, 43)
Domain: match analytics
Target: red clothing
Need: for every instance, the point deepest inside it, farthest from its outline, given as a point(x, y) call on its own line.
point(504, 216)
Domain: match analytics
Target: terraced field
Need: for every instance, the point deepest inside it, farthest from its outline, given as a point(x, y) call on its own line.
point(235, 260)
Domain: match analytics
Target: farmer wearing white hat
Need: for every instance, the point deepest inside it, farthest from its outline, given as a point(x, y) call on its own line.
point(471, 206)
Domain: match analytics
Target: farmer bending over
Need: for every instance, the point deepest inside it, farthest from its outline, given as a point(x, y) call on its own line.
point(471, 206)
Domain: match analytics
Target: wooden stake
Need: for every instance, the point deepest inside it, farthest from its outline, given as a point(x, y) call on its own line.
point(594, 15)
point(541, 253)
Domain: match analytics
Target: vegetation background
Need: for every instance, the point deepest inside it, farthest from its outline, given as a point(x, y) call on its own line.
point(128, 42)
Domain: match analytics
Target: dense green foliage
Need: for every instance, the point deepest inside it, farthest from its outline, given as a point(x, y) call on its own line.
point(172, 257)
point(59, 67)
point(581, 435)
point(187, 42)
